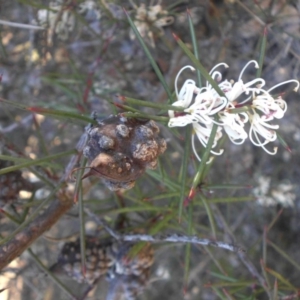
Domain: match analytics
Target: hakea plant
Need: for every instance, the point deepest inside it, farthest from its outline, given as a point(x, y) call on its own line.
point(205, 107)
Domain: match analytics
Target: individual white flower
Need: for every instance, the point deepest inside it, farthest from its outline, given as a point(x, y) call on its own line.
point(204, 107)
point(233, 90)
point(185, 96)
point(265, 108)
point(148, 17)
point(199, 111)
point(271, 108)
point(206, 102)
point(201, 105)
point(261, 127)
point(233, 124)
point(203, 132)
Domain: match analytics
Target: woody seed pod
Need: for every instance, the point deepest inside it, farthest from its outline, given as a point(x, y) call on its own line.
point(106, 257)
point(119, 150)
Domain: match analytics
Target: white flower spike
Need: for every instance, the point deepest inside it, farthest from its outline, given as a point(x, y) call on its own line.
point(204, 107)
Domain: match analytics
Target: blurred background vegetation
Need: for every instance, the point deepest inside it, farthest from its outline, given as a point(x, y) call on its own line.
point(82, 56)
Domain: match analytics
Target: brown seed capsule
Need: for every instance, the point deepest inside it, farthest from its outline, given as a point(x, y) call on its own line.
point(120, 149)
point(105, 257)
point(97, 261)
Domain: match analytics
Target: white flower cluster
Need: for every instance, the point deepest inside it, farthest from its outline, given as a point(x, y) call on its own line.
point(267, 195)
point(204, 107)
point(60, 17)
point(149, 18)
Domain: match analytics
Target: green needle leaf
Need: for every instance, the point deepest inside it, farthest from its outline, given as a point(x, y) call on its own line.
point(37, 162)
point(262, 53)
point(195, 46)
point(149, 56)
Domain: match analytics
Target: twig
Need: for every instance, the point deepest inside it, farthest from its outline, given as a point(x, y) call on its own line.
point(173, 238)
point(20, 25)
point(252, 269)
point(243, 257)
point(176, 238)
point(25, 238)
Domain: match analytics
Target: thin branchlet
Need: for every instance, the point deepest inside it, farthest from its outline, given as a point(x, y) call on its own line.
point(172, 238)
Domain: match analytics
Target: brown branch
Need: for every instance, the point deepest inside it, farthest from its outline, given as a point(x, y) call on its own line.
point(26, 237)
point(22, 240)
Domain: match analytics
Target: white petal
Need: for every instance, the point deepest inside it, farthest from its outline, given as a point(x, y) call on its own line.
point(181, 121)
point(178, 74)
